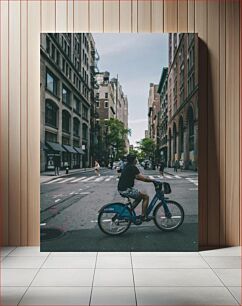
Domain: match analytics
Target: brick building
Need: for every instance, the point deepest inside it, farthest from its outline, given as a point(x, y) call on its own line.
point(153, 111)
point(183, 100)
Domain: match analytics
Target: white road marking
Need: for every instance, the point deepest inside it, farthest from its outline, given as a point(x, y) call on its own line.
point(80, 189)
point(53, 181)
point(99, 179)
point(66, 180)
point(71, 192)
point(151, 177)
point(57, 200)
point(177, 176)
point(83, 193)
point(109, 178)
point(88, 179)
point(79, 179)
point(94, 221)
point(168, 176)
point(193, 189)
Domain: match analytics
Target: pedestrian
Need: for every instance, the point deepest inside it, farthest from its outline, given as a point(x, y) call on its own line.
point(57, 164)
point(181, 164)
point(176, 165)
point(162, 167)
point(97, 168)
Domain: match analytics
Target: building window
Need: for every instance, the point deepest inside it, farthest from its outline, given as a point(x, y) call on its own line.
point(97, 104)
point(63, 65)
point(106, 104)
point(97, 95)
point(53, 52)
point(50, 137)
point(66, 121)
point(191, 128)
point(77, 106)
point(76, 127)
point(66, 96)
point(106, 95)
point(51, 112)
point(85, 112)
point(57, 58)
point(47, 45)
point(84, 131)
point(51, 83)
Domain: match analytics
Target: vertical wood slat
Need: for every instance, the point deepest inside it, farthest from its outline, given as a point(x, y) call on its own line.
point(48, 16)
point(171, 15)
point(33, 93)
point(125, 16)
point(81, 16)
point(213, 124)
point(144, 16)
point(182, 15)
point(232, 122)
point(111, 16)
point(70, 15)
point(134, 20)
point(61, 16)
point(96, 16)
point(201, 28)
point(14, 121)
point(4, 113)
point(222, 89)
point(24, 125)
point(157, 14)
point(191, 16)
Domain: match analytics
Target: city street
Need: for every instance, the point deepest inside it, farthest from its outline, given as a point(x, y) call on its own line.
point(71, 203)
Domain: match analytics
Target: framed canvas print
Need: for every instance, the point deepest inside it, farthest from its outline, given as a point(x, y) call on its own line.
point(119, 142)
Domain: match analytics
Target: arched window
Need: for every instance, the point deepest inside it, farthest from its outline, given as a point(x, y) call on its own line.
point(181, 135)
point(51, 113)
point(76, 127)
point(191, 128)
point(174, 139)
point(66, 118)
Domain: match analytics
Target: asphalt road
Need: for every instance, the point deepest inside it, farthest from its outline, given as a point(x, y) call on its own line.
point(71, 204)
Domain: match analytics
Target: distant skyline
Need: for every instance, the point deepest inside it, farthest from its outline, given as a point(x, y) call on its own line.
point(138, 60)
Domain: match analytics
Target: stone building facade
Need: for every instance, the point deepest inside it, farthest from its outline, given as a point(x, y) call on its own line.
point(183, 100)
point(153, 111)
point(66, 91)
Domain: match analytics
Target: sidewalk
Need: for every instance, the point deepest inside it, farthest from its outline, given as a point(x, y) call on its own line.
point(183, 173)
point(50, 175)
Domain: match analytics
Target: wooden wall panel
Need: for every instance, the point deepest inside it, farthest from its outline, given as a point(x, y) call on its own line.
point(222, 121)
point(213, 123)
point(201, 27)
point(14, 121)
point(33, 92)
point(126, 16)
point(24, 123)
point(61, 16)
point(232, 122)
point(48, 16)
point(157, 13)
point(171, 15)
point(144, 16)
point(4, 186)
point(217, 24)
point(96, 16)
point(111, 16)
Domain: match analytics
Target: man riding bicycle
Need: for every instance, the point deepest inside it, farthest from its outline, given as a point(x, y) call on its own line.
point(126, 184)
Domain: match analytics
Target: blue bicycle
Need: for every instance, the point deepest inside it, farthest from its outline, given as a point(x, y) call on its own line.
point(115, 218)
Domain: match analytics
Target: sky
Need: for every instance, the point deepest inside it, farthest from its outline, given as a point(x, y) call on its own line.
point(138, 60)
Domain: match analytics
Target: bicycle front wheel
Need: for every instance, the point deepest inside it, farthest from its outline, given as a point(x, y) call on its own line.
point(114, 220)
point(168, 222)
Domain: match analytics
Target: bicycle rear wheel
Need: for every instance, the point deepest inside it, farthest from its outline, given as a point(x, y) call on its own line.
point(171, 221)
point(115, 219)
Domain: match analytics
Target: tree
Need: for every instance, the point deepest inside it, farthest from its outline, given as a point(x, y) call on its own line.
point(147, 147)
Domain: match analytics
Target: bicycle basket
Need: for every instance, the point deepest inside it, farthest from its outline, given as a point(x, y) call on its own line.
point(166, 188)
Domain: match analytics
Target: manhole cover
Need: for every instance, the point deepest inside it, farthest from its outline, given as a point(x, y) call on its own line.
point(50, 233)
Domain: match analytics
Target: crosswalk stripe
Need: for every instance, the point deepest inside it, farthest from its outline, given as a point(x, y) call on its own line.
point(151, 177)
point(66, 180)
point(168, 176)
point(53, 181)
point(177, 176)
point(109, 178)
point(88, 179)
point(79, 179)
point(99, 179)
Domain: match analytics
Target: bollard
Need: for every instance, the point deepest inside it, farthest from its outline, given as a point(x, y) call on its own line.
point(67, 170)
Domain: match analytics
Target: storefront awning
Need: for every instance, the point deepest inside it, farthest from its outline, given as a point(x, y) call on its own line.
point(55, 146)
point(79, 150)
point(69, 149)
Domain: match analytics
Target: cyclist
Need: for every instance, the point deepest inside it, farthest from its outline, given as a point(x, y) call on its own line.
point(126, 184)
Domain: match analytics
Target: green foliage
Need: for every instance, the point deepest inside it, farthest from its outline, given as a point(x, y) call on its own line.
point(147, 147)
